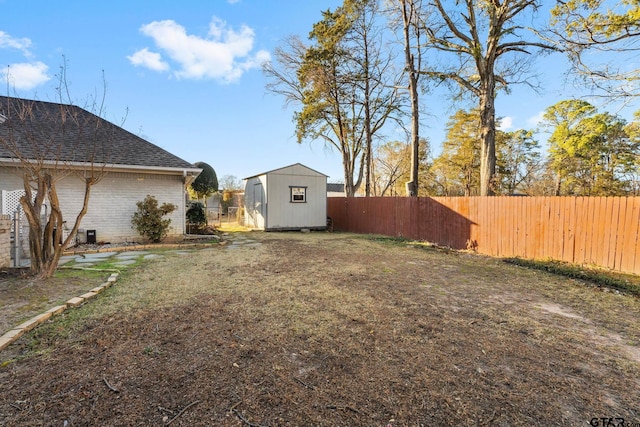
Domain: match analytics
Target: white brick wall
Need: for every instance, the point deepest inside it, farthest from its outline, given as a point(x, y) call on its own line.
point(112, 202)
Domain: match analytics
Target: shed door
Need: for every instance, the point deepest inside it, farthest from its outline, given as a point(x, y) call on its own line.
point(258, 205)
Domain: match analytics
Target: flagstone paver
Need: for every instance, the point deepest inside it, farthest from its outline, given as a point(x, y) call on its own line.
point(122, 259)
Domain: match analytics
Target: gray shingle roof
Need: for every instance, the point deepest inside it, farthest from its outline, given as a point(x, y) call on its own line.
point(39, 130)
point(335, 187)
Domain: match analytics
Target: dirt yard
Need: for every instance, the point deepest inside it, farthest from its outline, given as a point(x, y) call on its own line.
point(325, 329)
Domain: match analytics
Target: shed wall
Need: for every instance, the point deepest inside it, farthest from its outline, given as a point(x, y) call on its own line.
point(255, 201)
point(284, 214)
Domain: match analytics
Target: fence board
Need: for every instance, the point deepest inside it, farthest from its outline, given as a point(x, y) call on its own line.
point(570, 229)
point(519, 213)
point(545, 231)
point(495, 225)
point(537, 214)
point(505, 232)
point(600, 231)
point(613, 229)
point(601, 242)
point(634, 252)
point(511, 207)
point(591, 230)
point(631, 258)
point(558, 232)
point(628, 245)
point(581, 213)
point(620, 234)
point(548, 225)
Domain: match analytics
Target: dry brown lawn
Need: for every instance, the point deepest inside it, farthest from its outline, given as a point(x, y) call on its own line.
point(330, 329)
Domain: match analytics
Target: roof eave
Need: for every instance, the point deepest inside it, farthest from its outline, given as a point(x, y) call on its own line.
point(111, 167)
point(284, 167)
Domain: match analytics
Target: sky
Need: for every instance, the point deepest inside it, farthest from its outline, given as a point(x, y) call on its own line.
point(186, 75)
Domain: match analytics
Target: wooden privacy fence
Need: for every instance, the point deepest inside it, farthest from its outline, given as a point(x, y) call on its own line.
point(602, 231)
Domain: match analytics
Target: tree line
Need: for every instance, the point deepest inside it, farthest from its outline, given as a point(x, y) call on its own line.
point(366, 67)
point(588, 153)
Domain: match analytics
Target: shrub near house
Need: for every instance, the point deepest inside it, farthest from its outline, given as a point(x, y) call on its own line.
point(149, 220)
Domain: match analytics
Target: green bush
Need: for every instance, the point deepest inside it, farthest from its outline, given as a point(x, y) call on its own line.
point(196, 214)
point(148, 220)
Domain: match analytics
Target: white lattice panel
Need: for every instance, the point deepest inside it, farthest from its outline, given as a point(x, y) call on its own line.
point(11, 201)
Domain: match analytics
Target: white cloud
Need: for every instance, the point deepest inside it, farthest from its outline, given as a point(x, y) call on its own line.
point(535, 120)
point(23, 44)
point(151, 60)
point(224, 54)
point(22, 75)
point(506, 123)
point(25, 76)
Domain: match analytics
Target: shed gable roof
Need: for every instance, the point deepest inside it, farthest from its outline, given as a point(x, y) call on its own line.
point(287, 167)
point(39, 130)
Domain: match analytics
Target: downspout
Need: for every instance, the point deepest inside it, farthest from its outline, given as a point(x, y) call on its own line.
point(184, 204)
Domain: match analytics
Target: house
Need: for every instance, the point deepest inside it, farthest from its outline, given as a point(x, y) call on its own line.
point(72, 142)
point(335, 190)
point(289, 198)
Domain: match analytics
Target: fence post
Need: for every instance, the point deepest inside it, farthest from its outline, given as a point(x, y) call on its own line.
point(16, 238)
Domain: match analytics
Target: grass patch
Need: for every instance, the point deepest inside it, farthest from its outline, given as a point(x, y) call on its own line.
point(418, 337)
point(23, 297)
point(402, 241)
point(388, 239)
point(78, 273)
point(629, 284)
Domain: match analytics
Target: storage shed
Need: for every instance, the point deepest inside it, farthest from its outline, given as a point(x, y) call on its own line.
point(290, 198)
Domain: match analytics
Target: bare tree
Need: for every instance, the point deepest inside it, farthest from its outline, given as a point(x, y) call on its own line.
point(328, 122)
point(389, 166)
point(483, 52)
point(408, 17)
point(373, 65)
point(339, 82)
point(392, 167)
point(282, 71)
point(231, 183)
point(594, 34)
point(49, 142)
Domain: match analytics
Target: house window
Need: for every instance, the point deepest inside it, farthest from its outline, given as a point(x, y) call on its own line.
point(298, 194)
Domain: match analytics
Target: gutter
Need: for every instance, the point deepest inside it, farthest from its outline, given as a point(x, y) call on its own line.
point(111, 167)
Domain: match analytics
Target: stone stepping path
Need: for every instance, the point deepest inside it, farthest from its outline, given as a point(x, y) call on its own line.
point(20, 330)
point(120, 259)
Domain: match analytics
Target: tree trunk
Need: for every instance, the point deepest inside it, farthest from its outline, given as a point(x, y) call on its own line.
point(368, 149)
point(47, 245)
point(348, 175)
point(32, 207)
point(412, 185)
point(410, 68)
point(367, 124)
point(488, 138)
